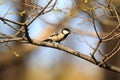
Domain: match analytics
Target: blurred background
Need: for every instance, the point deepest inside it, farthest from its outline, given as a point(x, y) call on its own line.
point(28, 62)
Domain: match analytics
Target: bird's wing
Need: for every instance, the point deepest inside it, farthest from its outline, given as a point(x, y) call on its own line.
point(55, 34)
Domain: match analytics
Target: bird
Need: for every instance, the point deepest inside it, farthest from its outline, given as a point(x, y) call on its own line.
point(58, 36)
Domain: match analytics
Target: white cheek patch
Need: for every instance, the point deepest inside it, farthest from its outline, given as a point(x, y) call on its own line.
point(65, 32)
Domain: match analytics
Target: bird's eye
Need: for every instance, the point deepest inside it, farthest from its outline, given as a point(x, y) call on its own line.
point(65, 32)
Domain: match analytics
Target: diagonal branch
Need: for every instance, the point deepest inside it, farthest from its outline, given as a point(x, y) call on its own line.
point(68, 50)
point(4, 19)
point(41, 12)
point(78, 54)
point(27, 25)
point(11, 39)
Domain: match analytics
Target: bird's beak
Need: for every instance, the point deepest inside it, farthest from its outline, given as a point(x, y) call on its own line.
point(71, 33)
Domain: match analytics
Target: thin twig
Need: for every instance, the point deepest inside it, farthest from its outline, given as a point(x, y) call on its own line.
point(13, 27)
point(12, 39)
point(92, 54)
point(118, 26)
point(4, 19)
point(111, 54)
point(95, 25)
point(40, 12)
point(26, 25)
point(117, 16)
point(94, 51)
point(115, 36)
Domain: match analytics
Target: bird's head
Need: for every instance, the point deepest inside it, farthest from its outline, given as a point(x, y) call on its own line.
point(66, 31)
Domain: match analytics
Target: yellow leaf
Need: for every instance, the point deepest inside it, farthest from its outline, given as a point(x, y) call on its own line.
point(2, 2)
point(22, 13)
point(86, 1)
point(58, 10)
point(73, 12)
point(16, 54)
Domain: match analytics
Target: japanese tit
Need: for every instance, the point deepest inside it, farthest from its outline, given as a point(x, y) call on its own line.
point(60, 36)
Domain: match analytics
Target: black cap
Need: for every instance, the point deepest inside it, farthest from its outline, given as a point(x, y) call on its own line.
point(66, 29)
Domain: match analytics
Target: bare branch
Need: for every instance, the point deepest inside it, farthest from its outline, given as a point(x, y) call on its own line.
point(26, 25)
point(4, 19)
point(76, 53)
point(11, 39)
point(41, 12)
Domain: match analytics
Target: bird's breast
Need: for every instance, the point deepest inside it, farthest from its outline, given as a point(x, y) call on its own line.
point(58, 37)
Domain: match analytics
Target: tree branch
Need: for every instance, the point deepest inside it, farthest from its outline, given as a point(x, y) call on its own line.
point(4, 19)
point(76, 53)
